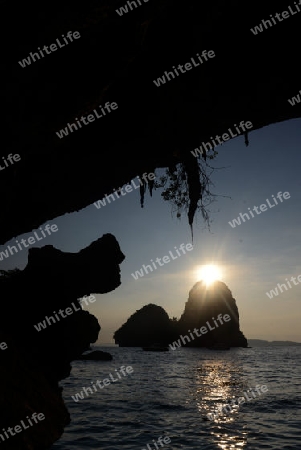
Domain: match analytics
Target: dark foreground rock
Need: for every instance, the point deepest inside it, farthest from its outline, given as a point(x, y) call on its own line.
point(35, 361)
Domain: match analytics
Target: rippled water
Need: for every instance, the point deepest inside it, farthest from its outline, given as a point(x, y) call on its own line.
point(170, 393)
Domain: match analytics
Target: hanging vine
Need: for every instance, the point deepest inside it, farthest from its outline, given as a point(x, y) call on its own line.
point(187, 187)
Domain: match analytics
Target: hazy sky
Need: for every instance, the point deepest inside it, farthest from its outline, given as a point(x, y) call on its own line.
point(253, 256)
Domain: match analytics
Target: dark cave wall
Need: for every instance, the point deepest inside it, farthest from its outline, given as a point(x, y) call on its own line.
point(116, 60)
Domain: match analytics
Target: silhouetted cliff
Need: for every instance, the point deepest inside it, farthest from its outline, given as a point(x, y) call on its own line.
point(204, 305)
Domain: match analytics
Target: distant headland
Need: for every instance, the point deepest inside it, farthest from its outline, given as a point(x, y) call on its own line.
point(263, 343)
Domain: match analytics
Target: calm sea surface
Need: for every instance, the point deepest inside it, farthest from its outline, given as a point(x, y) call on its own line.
point(170, 393)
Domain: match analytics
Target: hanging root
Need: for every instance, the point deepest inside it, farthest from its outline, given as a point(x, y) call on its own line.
point(195, 189)
point(151, 184)
point(142, 192)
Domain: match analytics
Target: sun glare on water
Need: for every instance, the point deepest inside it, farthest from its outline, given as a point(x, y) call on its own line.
point(209, 274)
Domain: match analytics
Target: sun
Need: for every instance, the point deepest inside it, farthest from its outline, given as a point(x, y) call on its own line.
point(209, 273)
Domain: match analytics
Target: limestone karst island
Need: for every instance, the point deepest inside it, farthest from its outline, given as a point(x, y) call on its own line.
point(210, 319)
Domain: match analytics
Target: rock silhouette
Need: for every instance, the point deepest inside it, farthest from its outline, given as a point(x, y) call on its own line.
point(146, 326)
point(205, 303)
point(35, 361)
point(151, 323)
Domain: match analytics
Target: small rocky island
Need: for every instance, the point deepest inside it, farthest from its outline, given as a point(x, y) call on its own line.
point(148, 325)
point(210, 318)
